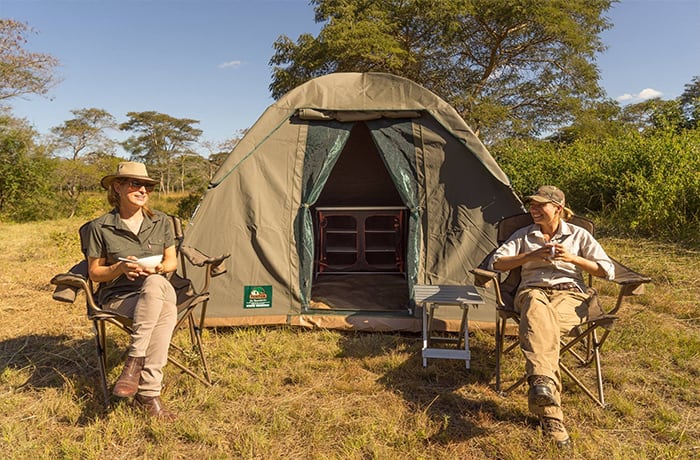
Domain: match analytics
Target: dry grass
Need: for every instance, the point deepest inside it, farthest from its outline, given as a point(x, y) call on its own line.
point(289, 393)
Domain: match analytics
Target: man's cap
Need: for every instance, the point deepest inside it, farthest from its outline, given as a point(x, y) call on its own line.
point(547, 193)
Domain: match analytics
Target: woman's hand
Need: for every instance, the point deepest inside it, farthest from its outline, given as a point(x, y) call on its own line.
point(545, 253)
point(157, 270)
point(101, 272)
point(132, 270)
point(506, 263)
point(590, 266)
point(560, 253)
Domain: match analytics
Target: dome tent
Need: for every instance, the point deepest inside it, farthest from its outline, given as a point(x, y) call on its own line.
point(356, 142)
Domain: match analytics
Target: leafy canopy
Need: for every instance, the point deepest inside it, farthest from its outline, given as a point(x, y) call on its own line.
point(22, 72)
point(86, 133)
point(510, 67)
point(162, 142)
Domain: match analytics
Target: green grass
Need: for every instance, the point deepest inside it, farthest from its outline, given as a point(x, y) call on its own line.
point(290, 393)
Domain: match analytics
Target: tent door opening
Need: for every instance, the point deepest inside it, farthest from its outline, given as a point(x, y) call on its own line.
point(360, 240)
point(360, 227)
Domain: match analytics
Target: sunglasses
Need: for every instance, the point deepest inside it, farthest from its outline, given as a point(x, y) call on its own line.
point(135, 184)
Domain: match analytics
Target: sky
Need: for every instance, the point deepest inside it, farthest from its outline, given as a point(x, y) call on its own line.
point(208, 60)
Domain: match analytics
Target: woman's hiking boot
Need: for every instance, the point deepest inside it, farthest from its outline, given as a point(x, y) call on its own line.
point(128, 383)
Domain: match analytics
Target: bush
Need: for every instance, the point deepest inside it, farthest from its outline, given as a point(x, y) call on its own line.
point(643, 185)
point(92, 204)
point(187, 205)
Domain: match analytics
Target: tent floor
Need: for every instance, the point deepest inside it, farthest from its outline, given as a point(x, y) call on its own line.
point(365, 292)
point(380, 302)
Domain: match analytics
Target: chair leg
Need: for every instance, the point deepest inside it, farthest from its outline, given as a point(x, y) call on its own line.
point(101, 349)
point(187, 371)
point(500, 326)
point(200, 347)
point(191, 327)
point(598, 368)
point(581, 384)
point(589, 339)
point(196, 336)
point(196, 342)
point(519, 382)
point(501, 351)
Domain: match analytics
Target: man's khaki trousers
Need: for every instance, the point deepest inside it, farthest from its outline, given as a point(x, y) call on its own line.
point(545, 315)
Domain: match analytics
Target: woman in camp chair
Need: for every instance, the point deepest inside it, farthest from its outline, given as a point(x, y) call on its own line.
point(136, 289)
point(551, 298)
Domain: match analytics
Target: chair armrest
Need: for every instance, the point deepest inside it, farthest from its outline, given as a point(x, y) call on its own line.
point(605, 321)
point(489, 279)
point(68, 284)
point(483, 277)
point(630, 281)
point(199, 259)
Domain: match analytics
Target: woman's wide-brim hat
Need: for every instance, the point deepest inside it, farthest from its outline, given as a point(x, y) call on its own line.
point(128, 170)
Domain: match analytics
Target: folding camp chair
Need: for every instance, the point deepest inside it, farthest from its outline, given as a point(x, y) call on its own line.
point(188, 300)
point(583, 342)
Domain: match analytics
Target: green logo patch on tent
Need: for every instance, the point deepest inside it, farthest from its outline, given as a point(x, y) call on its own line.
point(257, 297)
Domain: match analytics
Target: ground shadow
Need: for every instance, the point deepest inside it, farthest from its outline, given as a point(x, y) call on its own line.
point(439, 388)
point(57, 361)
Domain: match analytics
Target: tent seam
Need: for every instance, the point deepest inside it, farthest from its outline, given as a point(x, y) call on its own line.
point(247, 155)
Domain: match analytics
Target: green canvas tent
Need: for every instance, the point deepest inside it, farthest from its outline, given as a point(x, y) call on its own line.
point(345, 193)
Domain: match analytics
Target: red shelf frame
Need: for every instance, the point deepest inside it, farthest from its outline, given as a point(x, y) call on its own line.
point(360, 239)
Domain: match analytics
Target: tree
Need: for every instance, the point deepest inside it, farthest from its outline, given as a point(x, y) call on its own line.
point(606, 119)
point(22, 72)
point(161, 142)
point(219, 151)
point(25, 173)
point(596, 121)
point(81, 137)
point(654, 114)
point(193, 170)
point(510, 67)
point(690, 102)
point(85, 134)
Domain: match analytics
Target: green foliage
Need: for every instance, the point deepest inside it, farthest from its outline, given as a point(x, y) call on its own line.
point(655, 114)
point(507, 66)
point(167, 203)
point(86, 133)
point(65, 241)
point(646, 185)
point(92, 204)
point(690, 102)
point(25, 174)
point(187, 205)
point(163, 143)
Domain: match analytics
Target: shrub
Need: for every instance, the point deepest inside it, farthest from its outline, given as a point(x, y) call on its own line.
point(644, 185)
point(187, 205)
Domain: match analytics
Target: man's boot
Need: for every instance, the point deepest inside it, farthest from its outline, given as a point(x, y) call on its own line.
point(556, 431)
point(128, 382)
point(542, 390)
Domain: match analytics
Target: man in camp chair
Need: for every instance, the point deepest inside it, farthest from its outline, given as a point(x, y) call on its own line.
point(552, 296)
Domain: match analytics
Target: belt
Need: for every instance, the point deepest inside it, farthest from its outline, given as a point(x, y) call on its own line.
point(564, 287)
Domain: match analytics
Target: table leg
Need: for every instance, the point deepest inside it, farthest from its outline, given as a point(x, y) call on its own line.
point(425, 334)
point(465, 320)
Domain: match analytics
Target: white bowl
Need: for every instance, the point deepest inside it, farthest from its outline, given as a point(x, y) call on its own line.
point(149, 262)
